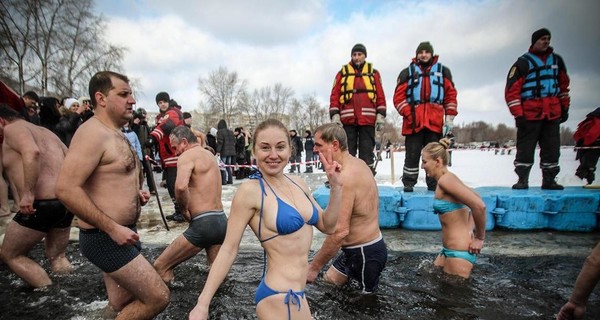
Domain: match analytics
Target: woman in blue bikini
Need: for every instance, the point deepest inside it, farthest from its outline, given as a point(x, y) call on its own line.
point(458, 207)
point(282, 212)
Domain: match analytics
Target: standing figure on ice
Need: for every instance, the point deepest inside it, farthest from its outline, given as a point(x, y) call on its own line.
point(537, 95)
point(425, 97)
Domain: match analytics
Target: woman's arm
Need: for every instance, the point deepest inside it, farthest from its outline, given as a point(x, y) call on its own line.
point(242, 209)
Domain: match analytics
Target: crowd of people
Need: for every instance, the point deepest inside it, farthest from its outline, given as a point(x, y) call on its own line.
point(87, 158)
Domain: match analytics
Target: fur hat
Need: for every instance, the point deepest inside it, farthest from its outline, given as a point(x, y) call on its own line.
point(359, 47)
point(425, 45)
point(538, 34)
point(213, 131)
point(162, 96)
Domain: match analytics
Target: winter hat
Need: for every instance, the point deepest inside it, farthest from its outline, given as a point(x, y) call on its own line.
point(162, 96)
point(187, 115)
point(538, 34)
point(69, 102)
point(425, 45)
point(213, 131)
point(359, 47)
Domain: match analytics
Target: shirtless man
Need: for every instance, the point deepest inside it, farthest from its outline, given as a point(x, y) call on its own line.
point(198, 193)
point(100, 182)
point(357, 233)
point(32, 157)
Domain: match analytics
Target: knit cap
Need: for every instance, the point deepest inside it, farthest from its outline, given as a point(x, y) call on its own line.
point(162, 96)
point(359, 47)
point(538, 34)
point(425, 45)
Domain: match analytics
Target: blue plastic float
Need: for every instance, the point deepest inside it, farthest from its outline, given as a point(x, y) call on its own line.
point(572, 209)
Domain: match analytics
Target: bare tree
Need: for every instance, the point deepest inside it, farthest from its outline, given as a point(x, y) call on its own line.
point(225, 92)
point(83, 50)
point(308, 113)
point(15, 34)
point(54, 44)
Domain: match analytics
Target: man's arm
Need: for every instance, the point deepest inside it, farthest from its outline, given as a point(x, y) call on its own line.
point(185, 166)
point(21, 140)
point(333, 242)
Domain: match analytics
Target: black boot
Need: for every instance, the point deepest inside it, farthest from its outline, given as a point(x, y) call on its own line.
point(548, 179)
point(523, 173)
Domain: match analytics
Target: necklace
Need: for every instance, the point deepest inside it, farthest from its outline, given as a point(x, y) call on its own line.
point(121, 135)
point(289, 193)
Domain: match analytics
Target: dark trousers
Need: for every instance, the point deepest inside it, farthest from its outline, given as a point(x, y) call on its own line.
point(361, 138)
point(171, 176)
point(148, 173)
point(308, 156)
point(588, 159)
point(414, 145)
point(295, 159)
point(547, 134)
point(229, 161)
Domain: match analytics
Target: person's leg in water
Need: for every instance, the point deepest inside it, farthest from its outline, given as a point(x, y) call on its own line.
point(136, 291)
point(18, 241)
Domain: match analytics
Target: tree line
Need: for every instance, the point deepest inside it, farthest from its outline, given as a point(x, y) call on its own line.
point(54, 45)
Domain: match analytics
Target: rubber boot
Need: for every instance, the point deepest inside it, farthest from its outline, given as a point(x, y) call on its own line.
point(548, 179)
point(523, 173)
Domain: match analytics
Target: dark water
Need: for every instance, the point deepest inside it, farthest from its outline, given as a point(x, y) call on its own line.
point(502, 287)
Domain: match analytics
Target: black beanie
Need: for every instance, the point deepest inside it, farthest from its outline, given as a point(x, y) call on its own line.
point(359, 47)
point(425, 45)
point(538, 34)
point(162, 96)
point(187, 115)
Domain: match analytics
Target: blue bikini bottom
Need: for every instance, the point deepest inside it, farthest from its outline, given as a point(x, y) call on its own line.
point(291, 297)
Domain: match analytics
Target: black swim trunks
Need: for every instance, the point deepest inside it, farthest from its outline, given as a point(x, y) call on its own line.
point(207, 229)
point(363, 264)
point(98, 247)
point(49, 214)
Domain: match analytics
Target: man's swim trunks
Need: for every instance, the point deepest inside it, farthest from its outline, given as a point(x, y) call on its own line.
point(207, 229)
point(49, 214)
point(98, 247)
point(363, 263)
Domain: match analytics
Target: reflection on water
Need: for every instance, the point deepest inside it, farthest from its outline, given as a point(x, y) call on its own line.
point(502, 287)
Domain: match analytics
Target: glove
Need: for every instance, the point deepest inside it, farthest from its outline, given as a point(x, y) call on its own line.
point(520, 121)
point(564, 115)
point(448, 125)
point(379, 122)
point(150, 142)
point(336, 119)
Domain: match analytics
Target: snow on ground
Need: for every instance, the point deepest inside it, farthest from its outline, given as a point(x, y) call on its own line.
point(477, 168)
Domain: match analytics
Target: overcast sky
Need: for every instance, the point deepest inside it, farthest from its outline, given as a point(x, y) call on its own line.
point(302, 44)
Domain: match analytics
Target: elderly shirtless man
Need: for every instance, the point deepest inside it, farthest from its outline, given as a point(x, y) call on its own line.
point(100, 182)
point(357, 233)
point(198, 193)
point(32, 157)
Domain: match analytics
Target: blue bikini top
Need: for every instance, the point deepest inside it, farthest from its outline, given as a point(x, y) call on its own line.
point(441, 206)
point(288, 219)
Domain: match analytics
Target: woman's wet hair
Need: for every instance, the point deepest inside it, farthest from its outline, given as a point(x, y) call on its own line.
point(331, 132)
point(268, 124)
point(438, 150)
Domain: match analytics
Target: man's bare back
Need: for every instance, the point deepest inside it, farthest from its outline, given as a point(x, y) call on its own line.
point(204, 182)
point(364, 220)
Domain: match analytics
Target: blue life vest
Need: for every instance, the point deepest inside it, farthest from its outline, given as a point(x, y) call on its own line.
point(436, 80)
point(542, 79)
